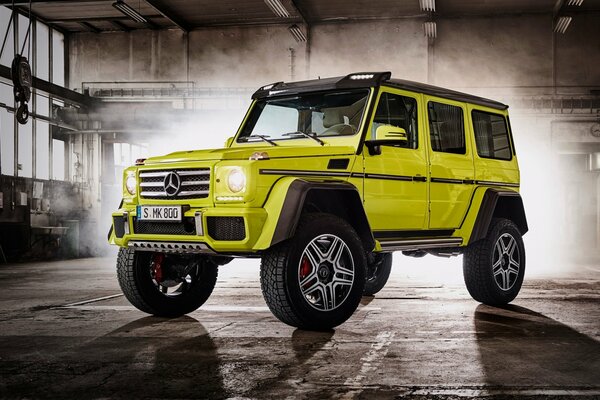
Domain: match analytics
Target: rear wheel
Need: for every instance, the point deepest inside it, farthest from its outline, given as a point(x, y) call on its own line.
point(494, 267)
point(378, 273)
point(165, 285)
point(315, 280)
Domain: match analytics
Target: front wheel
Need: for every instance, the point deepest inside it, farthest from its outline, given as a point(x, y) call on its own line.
point(315, 280)
point(494, 267)
point(165, 285)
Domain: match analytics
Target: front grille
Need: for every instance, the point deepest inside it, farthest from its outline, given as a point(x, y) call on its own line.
point(186, 227)
point(195, 183)
point(119, 226)
point(226, 228)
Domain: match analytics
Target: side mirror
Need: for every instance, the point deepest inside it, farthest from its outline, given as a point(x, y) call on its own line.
point(229, 141)
point(390, 132)
point(386, 135)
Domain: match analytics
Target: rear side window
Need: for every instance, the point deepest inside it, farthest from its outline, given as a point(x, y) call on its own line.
point(491, 135)
point(447, 128)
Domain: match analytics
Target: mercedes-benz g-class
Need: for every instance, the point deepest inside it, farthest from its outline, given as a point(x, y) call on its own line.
point(323, 181)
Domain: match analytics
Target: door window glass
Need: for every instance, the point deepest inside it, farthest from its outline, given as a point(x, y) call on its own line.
point(398, 111)
point(446, 127)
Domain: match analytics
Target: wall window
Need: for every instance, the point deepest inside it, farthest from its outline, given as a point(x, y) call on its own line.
point(58, 160)
point(42, 52)
point(9, 50)
point(25, 158)
point(42, 150)
point(58, 58)
point(398, 111)
point(447, 128)
point(7, 142)
point(47, 42)
point(491, 135)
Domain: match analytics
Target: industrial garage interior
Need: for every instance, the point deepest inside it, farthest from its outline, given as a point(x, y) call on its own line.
point(117, 81)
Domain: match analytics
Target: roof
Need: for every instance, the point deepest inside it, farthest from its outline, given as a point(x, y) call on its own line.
point(101, 16)
point(368, 80)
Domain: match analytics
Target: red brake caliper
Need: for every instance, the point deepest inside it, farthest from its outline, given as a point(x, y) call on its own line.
point(305, 268)
point(157, 260)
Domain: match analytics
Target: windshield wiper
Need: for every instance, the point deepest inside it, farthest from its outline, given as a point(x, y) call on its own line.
point(315, 138)
point(264, 138)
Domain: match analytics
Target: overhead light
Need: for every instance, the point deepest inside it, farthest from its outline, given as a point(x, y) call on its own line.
point(277, 8)
point(562, 23)
point(430, 29)
point(130, 12)
point(297, 33)
point(427, 5)
point(574, 3)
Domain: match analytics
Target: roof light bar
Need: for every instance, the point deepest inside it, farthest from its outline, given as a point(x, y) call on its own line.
point(562, 23)
point(430, 29)
point(129, 11)
point(361, 76)
point(277, 8)
point(427, 5)
point(297, 33)
point(577, 3)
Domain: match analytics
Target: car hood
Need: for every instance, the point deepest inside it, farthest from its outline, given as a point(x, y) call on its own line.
point(244, 153)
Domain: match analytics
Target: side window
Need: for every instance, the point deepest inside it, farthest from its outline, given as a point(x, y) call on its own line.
point(447, 128)
point(399, 111)
point(491, 135)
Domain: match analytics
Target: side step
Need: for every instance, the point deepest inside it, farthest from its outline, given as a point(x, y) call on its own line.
point(418, 244)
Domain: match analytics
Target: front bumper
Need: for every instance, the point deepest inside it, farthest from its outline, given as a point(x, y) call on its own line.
point(203, 230)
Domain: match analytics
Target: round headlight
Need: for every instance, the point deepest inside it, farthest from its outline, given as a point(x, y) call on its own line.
point(236, 181)
point(131, 183)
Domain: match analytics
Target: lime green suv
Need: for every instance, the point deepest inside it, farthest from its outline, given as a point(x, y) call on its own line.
point(323, 181)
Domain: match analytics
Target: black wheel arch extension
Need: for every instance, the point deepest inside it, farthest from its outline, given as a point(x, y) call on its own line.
point(498, 203)
point(334, 197)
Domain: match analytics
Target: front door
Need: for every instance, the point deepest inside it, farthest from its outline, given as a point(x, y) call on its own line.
point(451, 163)
point(395, 188)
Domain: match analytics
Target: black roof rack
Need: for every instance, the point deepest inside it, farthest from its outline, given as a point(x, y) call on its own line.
point(370, 79)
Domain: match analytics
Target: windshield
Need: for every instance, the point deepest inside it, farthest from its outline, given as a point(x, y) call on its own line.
point(322, 114)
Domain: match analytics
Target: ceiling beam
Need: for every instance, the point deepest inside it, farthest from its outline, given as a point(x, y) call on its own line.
point(121, 26)
point(97, 19)
point(299, 8)
point(26, 2)
point(90, 27)
point(168, 14)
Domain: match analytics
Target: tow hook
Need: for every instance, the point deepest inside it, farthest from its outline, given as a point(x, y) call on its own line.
point(157, 272)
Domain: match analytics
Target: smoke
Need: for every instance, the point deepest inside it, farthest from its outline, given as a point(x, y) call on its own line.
point(499, 58)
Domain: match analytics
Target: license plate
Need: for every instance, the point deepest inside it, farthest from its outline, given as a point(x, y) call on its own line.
point(159, 213)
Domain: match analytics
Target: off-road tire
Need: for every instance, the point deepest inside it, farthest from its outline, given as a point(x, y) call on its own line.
point(379, 273)
point(279, 274)
point(133, 273)
point(478, 262)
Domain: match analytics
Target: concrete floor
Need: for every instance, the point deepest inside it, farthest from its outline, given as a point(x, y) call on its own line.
point(422, 337)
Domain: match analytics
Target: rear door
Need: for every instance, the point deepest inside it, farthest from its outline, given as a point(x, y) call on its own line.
point(451, 168)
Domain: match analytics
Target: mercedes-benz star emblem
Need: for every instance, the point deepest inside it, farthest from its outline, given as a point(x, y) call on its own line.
point(172, 184)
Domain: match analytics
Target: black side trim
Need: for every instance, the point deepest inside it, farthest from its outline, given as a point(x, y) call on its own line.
point(499, 203)
point(390, 177)
point(447, 180)
point(338, 163)
point(345, 196)
point(302, 173)
point(471, 182)
point(382, 235)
